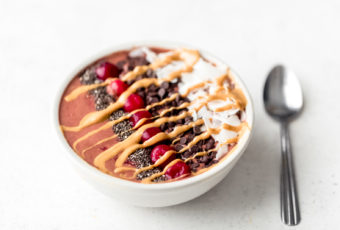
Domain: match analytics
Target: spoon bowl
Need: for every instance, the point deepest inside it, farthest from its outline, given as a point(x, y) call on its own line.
point(282, 94)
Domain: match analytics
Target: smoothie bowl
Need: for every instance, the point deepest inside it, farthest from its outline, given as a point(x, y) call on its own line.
point(154, 124)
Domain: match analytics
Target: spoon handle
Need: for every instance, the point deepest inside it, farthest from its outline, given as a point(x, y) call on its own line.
point(290, 211)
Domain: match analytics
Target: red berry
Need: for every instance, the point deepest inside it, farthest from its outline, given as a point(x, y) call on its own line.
point(150, 132)
point(158, 151)
point(137, 116)
point(116, 87)
point(133, 102)
point(177, 170)
point(106, 70)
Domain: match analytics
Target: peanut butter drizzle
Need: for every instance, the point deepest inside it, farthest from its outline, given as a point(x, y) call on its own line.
point(83, 89)
point(157, 163)
point(199, 154)
point(165, 61)
point(182, 106)
point(194, 87)
point(226, 107)
point(198, 138)
point(159, 137)
point(134, 138)
point(220, 96)
point(148, 180)
point(124, 169)
point(235, 93)
point(202, 136)
point(214, 165)
point(175, 140)
point(106, 126)
point(140, 123)
point(164, 157)
point(232, 128)
point(190, 57)
point(138, 70)
point(240, 129)
point(239, 97)
point(155, 139)
point(97, 143)
point(98, 116)
point(162, 102)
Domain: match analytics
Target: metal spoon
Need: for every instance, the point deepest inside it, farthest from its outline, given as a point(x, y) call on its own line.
point(283, 101)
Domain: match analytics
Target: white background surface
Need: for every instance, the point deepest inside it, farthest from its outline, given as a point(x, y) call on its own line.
point(40, 44)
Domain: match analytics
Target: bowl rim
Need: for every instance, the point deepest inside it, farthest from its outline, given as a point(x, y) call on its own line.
point(75, 158)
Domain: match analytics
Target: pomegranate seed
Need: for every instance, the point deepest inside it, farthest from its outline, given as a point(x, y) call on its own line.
point(150, 132)
point(106, 70)
point(159, 151)
point(133, 102)
point(116, 87)
point(177, 170)
point(137, 116)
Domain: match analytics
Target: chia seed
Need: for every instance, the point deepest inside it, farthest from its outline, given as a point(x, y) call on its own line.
point(123, 129)
point(159, 179)
point(89, 77)
point(148, 173)
point(117, 114)
point(101, 97)
point(141, 157)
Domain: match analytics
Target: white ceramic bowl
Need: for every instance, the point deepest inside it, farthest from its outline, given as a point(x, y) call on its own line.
point(154, 195)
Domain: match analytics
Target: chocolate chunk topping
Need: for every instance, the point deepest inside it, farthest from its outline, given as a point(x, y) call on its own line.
point(151, 74)
point(161, 93)
point(186, 154)
point(172, 124)
point(130, 63)
point(187, 120)
point(178, 147)
point(194, 149)
point(165, 85)
point(210, 144)
point(191, 136)
point(197, 130)
point(153, 88)
point(164, 127)
point(204, 159)
point(212, 162)
point(183, 140)
point(195, 165)
point(178, 99)
point(150, 100)
point(136, 61)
